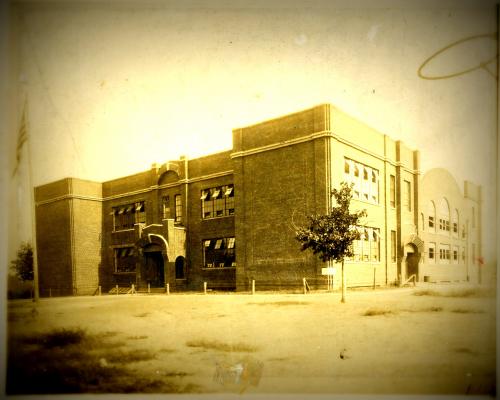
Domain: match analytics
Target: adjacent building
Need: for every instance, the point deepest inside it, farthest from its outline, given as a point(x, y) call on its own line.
point(230, 218)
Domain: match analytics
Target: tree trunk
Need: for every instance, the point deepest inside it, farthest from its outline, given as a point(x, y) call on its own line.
point(343, 284)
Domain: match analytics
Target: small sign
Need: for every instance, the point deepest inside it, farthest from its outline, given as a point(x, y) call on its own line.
point(328, 271)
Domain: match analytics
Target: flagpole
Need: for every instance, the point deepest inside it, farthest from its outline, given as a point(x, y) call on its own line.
point(36, 293)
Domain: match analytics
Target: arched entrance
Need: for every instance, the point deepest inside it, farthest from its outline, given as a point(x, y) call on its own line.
point(153, 267)
point(412, 259)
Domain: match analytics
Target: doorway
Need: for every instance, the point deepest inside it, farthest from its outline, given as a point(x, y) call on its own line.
point(153, 272)
point(412, 258)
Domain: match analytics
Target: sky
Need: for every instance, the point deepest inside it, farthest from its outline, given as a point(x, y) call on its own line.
point(113, 87)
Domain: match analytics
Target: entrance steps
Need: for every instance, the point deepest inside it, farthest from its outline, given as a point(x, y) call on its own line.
point(120, 290)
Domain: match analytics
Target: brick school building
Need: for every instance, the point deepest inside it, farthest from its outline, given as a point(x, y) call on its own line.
point(230, 217)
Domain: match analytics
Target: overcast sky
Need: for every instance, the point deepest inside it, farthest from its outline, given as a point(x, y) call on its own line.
point(113, 88)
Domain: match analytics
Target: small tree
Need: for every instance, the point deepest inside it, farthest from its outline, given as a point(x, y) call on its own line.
point(331, 236)
point(23, 264)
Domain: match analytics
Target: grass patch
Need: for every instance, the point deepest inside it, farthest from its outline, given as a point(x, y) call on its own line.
point(467, 292)
point(376, 311)
point(142, 315)
point(280, 303)
point(463, 350)
point(72, 361)
point(466, 311)
point(57, 338)
point(220, 346)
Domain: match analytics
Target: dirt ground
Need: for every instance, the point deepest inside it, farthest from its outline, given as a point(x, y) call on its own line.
point(435, 339)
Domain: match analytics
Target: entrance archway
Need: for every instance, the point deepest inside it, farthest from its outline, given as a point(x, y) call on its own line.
point(153, 269)
point(412, 259)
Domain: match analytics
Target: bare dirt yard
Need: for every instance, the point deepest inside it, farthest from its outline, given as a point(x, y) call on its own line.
point(434, 339)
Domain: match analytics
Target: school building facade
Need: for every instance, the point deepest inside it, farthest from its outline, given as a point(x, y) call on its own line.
point(229, 218)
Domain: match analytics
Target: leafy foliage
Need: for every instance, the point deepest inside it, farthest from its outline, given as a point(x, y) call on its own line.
point(330, 236)
point(23, 264)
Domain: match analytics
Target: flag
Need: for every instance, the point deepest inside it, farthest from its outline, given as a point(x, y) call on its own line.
point(21, 139)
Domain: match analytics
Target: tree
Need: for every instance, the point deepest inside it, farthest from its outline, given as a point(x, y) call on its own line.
point(330, 236)
point(23, 264)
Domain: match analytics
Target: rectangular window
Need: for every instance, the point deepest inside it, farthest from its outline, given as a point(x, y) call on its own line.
point(407, 196)
point(166, 207)
point(463, 255)
point(178, 208)
point(444, 253)
point(126, 216)
point(431, 221)
point(393, 246)
point(392, 189)
point(217, 202)
point(455, 254)
point(365, 180)
point(367, 248)
point(124, 259)
point(455, 227)
point(219, 253)
point(431, 252)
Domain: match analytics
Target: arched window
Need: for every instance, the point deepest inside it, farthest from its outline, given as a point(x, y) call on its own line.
point(179, 267)
point(454, 222)
point(431, 212)
point(422, 221)
point(444, 215)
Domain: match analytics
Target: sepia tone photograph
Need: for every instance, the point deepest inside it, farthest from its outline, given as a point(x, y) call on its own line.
point(249, 198)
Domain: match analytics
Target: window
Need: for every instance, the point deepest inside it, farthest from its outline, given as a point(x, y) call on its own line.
point(431, 252)
point(126, 216)
point(392, 190)
point(393, 246)
point(463, 255)
point(431, 211)
point(444, 215)
point(166, 207)
point(444, 253)
point(473, 217)
point(365, 180)
point(454, 222)
point(407, 196)
point(422, 221)
point(367, 248)
point(124, 259)
point(178, 208)
point(473, 253)
point(455, 254)
point(219, 253)
point(217, 202)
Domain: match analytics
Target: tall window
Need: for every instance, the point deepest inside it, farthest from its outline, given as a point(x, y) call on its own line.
point(124, 260)
point(473, 253)
point(455, 254)
point(444, 253)
point(219, 253)
point(365, 180)
point(126, 216)
point(166, 207)
point(393, 246)
point(407, 196)
point(431, 252)
point(217, 202)
point(454, 222)
point(473, 217)
point(178, 208)
point(431, 211)
point(392, 190)
point(367, 248)
point(444, 215)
